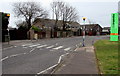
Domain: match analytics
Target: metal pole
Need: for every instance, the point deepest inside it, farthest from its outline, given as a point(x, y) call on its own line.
point(8, 37)
point(84, 35)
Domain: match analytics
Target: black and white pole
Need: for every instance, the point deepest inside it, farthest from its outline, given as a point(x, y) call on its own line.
point(8, 36)
point(83, 43)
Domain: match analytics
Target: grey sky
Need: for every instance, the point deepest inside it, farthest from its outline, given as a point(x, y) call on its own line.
point(95, 11)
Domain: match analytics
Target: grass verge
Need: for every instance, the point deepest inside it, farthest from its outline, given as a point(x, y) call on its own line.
point(107, 55)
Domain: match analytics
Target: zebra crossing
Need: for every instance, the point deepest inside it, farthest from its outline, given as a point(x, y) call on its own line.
point(51, 47)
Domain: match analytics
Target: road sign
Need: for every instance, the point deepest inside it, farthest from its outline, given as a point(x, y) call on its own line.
point(114, 27)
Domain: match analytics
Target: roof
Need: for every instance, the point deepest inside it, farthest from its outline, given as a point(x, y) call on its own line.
point(106, 28)
point(51, 22)
point(89, 26)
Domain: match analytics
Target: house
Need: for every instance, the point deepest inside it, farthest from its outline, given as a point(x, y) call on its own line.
point(48, 29)
point(91, 29)
point(106, 31)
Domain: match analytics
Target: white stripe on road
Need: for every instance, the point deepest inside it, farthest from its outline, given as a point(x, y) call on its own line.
point(16, 54)
point(4, 58)
point(58, 47)
point(34, 45)
point(32, 50)
point(66, 49)
point(41, 46)
point(45, 71)
point(50, 46)
point(9, 47)
point(12, 56)
point(26, 45)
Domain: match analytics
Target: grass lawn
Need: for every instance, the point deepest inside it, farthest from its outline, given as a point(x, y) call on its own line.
point(107, 55)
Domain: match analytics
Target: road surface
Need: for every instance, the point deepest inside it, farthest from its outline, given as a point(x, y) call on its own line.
point(33, 58)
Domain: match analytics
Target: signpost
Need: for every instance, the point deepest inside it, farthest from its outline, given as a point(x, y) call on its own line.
point(114, 27)
point(83, 44)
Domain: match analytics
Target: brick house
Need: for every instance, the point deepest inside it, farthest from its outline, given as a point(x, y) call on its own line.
point(47, 28)
point(91, 29)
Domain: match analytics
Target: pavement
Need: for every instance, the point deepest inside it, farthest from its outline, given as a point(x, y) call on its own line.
point(81, 61)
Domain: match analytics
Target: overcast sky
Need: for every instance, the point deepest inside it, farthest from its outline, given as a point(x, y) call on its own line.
point(96, 11)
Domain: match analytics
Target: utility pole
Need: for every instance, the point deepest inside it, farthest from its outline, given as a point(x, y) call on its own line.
point(83, 44)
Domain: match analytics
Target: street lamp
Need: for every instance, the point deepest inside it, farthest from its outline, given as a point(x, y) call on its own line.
point(83, 44)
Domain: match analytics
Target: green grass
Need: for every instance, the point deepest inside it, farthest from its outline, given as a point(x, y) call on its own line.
point(107, 55)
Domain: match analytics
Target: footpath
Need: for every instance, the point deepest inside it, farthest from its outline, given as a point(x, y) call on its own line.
point(81, 61)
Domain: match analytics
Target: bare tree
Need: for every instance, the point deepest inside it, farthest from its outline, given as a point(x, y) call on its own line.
point(56, 8)
point(29, 11)
point(69, 15)
point(65, 12)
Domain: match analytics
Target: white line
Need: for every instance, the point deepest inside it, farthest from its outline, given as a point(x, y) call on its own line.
point(17, 54)
point(41, 46)
point(66, 49)
point(47, 69)
point(8, 48)
point(32, 50)
point(15, 46)
point(26, 44)
point(60, 58)
point(34, 45)
point(50, 46)
point(24, 53)
point(58, 47)
point(24, 47)
point(4, 58)
point(14, 55)
point(76, 49)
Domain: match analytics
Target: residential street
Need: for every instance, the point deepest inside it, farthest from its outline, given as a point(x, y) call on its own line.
point(33, 57)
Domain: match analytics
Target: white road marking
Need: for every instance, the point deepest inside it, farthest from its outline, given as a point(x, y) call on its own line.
point(24, 53)
point(15, 46)
point(41, 46)
point(50, 46)
point(14, 55)
point(47, 69)
point(32, 50)
point(24, 47)
point(8, 47)
point(44, 71)
point(26, 44)
point(76, 49)
point(34, 45)
point(58, 47)
point(66, 49)
point(4, 58)
point(17, 54)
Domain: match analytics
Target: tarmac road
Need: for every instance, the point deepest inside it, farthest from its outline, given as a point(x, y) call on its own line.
point(34, 57)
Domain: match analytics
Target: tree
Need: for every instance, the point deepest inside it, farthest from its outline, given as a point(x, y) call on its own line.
point(69, 15)
point(22, 25)
point(64, 11)
point(56, 8)
point(29, 11)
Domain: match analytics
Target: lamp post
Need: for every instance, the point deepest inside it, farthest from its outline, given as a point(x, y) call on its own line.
point(83, 44)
